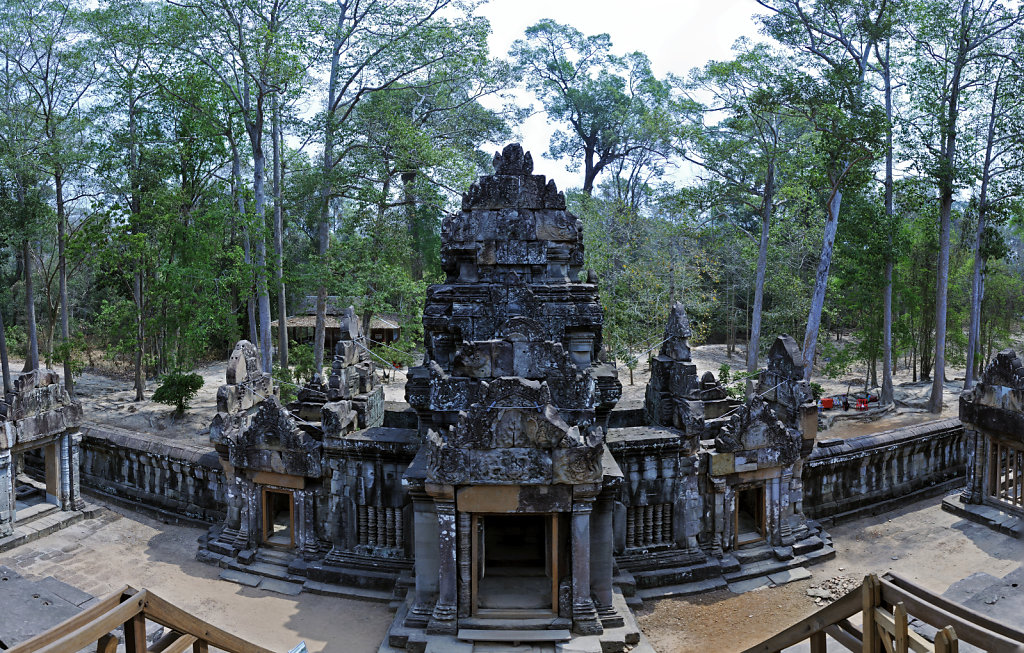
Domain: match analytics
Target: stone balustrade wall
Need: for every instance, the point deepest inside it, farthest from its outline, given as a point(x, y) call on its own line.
point(182, 478)
point(867, 471)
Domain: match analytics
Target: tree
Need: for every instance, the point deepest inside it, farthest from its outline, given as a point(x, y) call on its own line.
point(55, 69)
point(375, 47)
point(615, 108)
point(747, 147)
point(838, 37)
point(950, 40)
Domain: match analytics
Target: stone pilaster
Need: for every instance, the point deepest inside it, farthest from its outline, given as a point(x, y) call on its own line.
point(7, 514)
point(584, 616)
point(75, 484)
point(464, 557)
point(425, 524)
point(444, 618)
point(975, 445)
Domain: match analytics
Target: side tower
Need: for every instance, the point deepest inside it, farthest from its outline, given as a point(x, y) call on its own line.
point(512, 402)
point(992, 413)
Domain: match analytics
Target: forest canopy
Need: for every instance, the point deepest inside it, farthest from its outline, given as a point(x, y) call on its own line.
point(175, 175)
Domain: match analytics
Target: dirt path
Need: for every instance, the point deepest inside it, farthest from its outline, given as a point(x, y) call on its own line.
point(100, 555)
point(920, 541)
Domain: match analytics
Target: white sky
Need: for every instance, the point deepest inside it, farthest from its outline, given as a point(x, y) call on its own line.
point(677, 36)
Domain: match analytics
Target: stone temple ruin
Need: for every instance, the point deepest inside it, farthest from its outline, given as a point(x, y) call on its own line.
point(992, 413)
point(38, 428)
point(510, 498)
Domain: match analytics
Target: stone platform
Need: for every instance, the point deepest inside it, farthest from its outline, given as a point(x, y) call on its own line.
point(41, 520)
point(998, 520)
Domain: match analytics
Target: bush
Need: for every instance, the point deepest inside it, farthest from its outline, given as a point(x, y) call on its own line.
point(817, 390)
point(178, 389)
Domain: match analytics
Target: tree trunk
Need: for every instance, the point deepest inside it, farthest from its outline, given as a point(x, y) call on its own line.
point(979, 257)
point(821, 283)
point(236, 184)
point(62, 271)
point(32, 359)
point(326, 191)
point(4, 362)
point(263, 292)
point(282, 304)
point(754, 343)
point(886, 394)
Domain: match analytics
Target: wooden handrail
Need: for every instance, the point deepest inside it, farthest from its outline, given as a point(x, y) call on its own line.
point(174, 617)
point(130, 609)
point(930, 613)
point(107, 603)
point(955, 608)
point(98, 627)
point(845, 607)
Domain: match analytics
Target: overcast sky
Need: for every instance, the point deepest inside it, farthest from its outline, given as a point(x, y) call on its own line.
point(677, 36)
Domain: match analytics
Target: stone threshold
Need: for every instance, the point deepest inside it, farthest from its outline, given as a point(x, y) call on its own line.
point(998, 520)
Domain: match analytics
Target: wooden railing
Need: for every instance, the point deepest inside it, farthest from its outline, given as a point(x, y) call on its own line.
point(885, 605)
point(130, 609)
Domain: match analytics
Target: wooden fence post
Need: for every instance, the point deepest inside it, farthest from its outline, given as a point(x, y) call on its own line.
point(946, 641)
point(870, 597)
point(135, 634)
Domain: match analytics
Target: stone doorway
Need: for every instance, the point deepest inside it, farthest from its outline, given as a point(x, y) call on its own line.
point(515, 564)
point(750, 515)
point(278, 518)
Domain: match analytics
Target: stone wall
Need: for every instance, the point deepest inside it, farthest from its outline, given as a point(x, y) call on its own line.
point(871, 469)
point(177, 477)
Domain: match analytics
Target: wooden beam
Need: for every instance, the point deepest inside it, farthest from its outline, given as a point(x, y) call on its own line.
point(174, 617)
point(818, 642)
point(134, 634)
point(181, 644)
point(107, 603)
point(89, 633)
point(844, 638)
point(931, 613)
point(870, 599)
point(954, 608)
point(845, 607)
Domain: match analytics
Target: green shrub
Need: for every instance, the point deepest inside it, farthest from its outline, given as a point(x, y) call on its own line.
point(817, 390)
point(178, 389)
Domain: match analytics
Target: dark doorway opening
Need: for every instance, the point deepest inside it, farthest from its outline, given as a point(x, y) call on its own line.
point(750, 515)
point(278, 518)
point(514, 563)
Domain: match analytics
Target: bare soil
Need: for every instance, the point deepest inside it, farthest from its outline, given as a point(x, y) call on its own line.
point(919, 541)
point(102, 555)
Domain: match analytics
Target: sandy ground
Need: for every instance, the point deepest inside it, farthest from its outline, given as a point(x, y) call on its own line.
point(101, 555)
point(111, 400)
point(919, 541)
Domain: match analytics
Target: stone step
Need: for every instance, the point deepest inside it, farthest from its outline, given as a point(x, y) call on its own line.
point(353, 577)
point(265, 569)
point(514, 636)
point(676, 575)
point(762, 568)
point(807, 545)
point(750, 555)
point(274, 557)
point(683, 589)
point(347, 592)
point(485, 623)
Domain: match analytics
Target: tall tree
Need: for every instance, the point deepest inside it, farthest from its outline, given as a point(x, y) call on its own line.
point(950, 40)
point(614, 106)
point(838, 37)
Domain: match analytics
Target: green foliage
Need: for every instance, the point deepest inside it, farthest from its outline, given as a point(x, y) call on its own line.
point(178, 389)
point(817, 391)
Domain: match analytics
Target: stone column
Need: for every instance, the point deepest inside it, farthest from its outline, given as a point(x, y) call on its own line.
point(64, 461)
point(425, 559)
point(584, 616)
point(601, 562)
point(464, 555)
point(444, 619)
point(974, 444)
point(7, 513)
point(75, 484)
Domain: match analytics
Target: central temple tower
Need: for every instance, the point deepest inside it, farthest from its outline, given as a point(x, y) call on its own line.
point(513, 482)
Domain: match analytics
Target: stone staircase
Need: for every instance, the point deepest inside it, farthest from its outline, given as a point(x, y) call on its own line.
point(339, 575)
point(740, 570)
